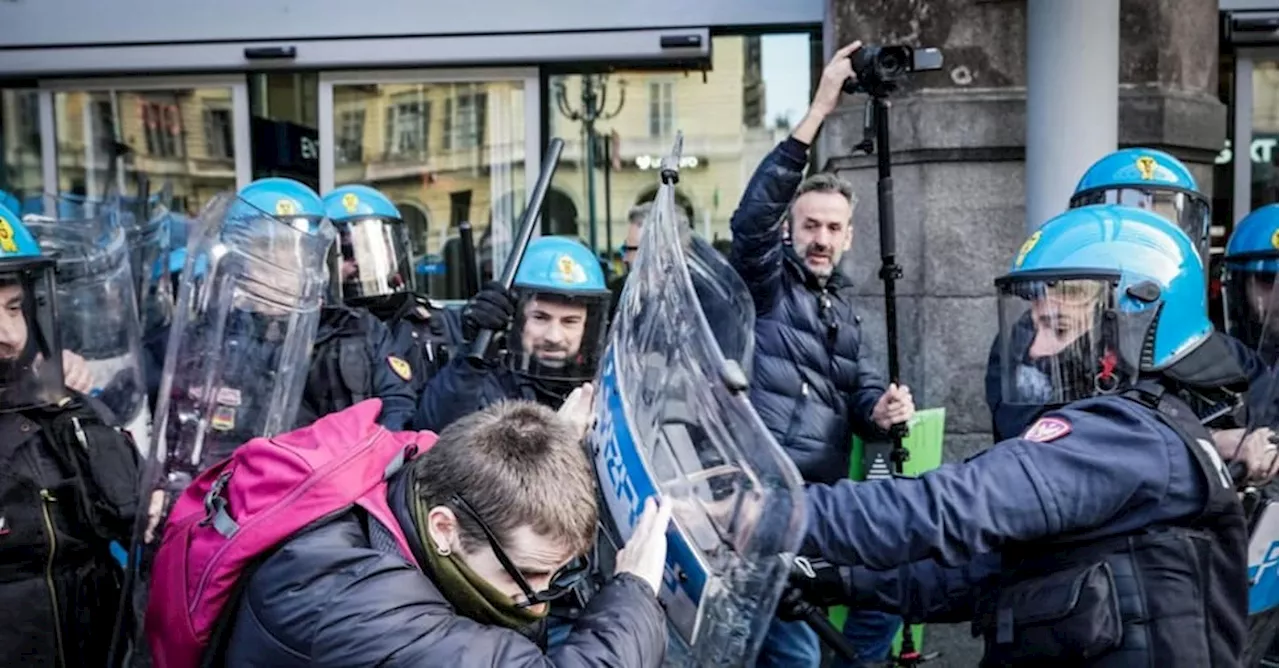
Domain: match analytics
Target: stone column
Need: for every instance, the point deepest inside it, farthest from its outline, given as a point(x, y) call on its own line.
point(1072, 95)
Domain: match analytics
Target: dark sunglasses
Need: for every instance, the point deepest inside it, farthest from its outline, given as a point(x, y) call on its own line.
point(562, 582)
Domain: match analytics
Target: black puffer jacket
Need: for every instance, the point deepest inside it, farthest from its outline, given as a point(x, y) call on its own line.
point(340, 594)
point(810, 382)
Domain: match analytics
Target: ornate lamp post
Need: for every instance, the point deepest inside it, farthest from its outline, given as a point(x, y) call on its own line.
point(594, 101)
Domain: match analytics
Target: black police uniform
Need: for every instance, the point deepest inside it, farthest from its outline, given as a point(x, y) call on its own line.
point(423, 333)
point(354, 358)
point(68, 488)
point(1120, 536)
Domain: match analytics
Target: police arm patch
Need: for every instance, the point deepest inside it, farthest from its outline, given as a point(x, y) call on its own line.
point(1047, 429)
point(400, 368)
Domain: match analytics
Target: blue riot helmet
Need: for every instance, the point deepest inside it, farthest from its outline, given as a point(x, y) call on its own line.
point(1250, 265)
point(562, 312)
point(1153, 180)
point(1095, 297)
point(373, 242)
point(285, 200)
point(30, 355)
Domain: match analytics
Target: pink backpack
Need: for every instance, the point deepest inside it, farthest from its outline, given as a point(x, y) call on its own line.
point(252, 502)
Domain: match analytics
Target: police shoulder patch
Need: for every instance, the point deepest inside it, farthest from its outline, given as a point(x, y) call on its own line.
point(1047, 429)
point(400, 368)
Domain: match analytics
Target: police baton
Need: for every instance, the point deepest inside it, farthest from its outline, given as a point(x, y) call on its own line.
point(813, 616)
point(480, 346)
point(470, 274)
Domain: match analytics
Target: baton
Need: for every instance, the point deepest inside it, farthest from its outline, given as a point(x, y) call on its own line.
point(470, 275)
point(549, 163)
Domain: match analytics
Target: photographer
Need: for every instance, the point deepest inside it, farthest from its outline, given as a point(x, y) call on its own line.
point(812, 387)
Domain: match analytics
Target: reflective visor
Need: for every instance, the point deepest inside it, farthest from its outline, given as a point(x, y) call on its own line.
point(1053, 345)
point(1190, 212)
point(376, 259)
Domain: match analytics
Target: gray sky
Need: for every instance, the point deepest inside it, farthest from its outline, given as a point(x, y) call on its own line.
point(785, 67)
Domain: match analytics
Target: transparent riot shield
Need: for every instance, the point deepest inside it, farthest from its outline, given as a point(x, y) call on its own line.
point(246, 318)
point(97, 314)
point(147, 221)
point(673, 419)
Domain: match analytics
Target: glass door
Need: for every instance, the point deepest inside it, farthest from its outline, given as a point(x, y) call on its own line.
point(186, 137)
point(446, 147)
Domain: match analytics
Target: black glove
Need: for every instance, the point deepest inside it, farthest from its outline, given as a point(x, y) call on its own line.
point(814, 583)
point(492, 308)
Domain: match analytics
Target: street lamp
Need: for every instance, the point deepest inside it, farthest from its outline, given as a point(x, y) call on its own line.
point(594, 99)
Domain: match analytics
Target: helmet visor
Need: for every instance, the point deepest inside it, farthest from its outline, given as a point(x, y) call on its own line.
point(559, 336)
point(1188, 211)
point(30, 357)
point(376, 258)
point(1058, 340)
point(1248, 301)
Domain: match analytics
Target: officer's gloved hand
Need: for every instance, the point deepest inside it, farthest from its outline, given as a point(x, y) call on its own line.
point(814, 583)
point(492, 308)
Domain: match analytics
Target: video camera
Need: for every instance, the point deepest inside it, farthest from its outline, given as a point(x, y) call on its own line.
point(879, 68)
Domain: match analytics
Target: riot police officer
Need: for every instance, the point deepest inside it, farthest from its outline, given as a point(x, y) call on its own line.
point(353, 357)
point(556, 319)
point(1249, 285)
point(1141, 177)
point(376, 273)
point(69, 485)
point(1118, 534)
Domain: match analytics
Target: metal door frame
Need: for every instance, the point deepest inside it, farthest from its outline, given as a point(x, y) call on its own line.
point(238, 83)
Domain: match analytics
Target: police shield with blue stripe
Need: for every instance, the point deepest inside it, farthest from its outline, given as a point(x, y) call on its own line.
point(673, 421)
point(1250, 298)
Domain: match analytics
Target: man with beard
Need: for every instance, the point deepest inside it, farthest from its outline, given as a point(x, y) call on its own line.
point(556, 318)
point(812, 384)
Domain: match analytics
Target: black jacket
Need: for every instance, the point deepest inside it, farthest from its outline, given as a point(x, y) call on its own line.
point(337, 595)
point(68, 487)
point(811, 385)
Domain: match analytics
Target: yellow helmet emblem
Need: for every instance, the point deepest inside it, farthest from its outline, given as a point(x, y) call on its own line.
point(1275, 239)
point(350, 202)
point(570, 271)
point(285, 207)
point(1026, 248)
point(1147, 167)
point(7, 244)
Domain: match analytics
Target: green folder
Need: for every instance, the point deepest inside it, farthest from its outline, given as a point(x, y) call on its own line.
point(924, 441)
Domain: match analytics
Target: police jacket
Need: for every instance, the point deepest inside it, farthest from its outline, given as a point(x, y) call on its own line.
point(1120, 538)
point(340, 594)
point(423, 333)
point(462, 388)
point(68, 488)
point(811, 382)
point(353, 359)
